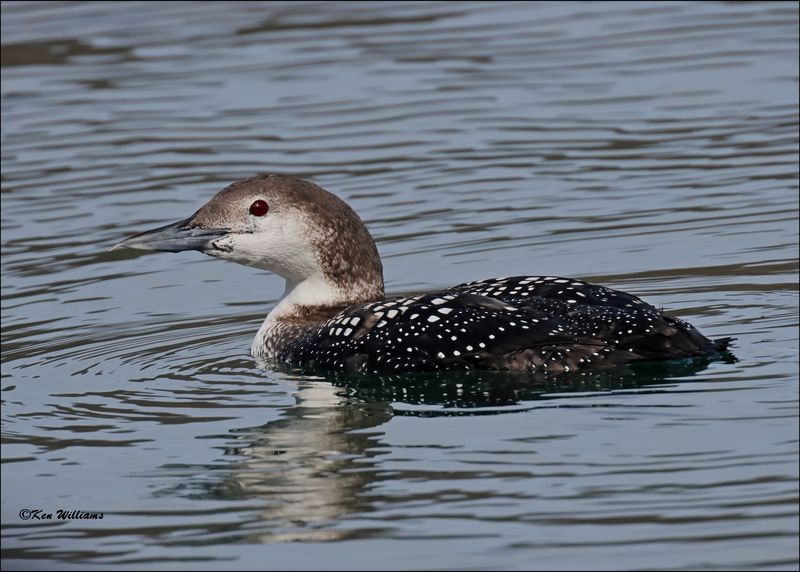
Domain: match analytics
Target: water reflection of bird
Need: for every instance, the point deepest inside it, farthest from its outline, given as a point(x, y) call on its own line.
point(333, 315)
point(320, 460)
point(311, 464)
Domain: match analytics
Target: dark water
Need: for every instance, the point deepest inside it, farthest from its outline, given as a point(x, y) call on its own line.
point(648, 146)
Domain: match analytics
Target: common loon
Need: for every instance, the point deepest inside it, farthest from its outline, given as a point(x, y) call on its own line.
point(333, 315)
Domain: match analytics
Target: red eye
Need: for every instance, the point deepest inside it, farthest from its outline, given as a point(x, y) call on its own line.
point(259, 208)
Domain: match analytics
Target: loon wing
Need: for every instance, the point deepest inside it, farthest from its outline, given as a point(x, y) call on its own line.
point(587, 310)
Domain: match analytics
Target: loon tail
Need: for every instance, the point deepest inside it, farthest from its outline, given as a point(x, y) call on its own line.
point(722, 344)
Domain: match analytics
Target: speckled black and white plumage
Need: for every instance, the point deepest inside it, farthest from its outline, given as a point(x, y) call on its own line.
point(522, 323)
point(333, 315)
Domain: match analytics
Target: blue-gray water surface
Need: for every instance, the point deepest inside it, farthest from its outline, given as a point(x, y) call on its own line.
point(652, 147)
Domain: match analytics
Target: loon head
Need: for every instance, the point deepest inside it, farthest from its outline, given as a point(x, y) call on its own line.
point(285, 225)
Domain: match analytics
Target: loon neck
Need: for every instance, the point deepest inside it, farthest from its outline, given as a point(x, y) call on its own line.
point(306, 304)
point(317, 292)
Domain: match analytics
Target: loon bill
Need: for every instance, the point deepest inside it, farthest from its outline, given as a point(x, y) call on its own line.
point(333, 315)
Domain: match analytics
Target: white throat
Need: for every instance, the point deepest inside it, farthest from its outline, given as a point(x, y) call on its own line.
point(312, 292)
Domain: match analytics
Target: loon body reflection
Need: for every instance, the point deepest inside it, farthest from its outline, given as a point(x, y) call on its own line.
point(333, 315)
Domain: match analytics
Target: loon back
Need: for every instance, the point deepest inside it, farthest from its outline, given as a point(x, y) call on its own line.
point(333, 315)
point(521, 323)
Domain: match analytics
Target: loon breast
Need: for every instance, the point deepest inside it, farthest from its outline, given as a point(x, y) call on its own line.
point(522, 323)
